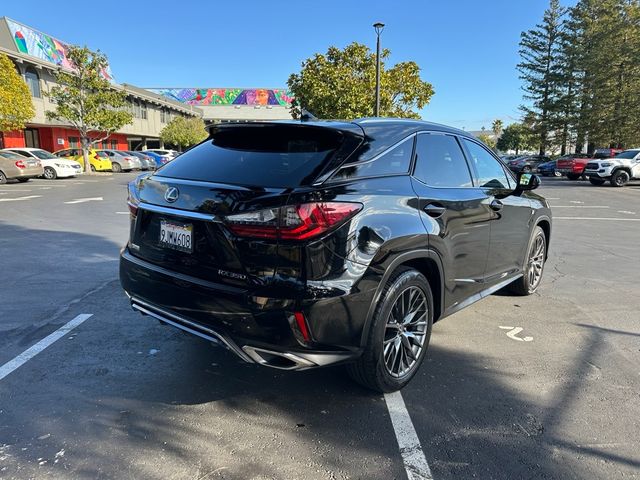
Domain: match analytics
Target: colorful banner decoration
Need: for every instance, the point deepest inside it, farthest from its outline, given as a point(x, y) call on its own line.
point(227, 96)
point(40, 45)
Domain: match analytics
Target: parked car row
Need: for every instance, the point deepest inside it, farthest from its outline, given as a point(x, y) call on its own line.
point(24, 163)
point(606, 164)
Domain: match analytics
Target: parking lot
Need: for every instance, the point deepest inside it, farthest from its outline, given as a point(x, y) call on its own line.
point(546, 386)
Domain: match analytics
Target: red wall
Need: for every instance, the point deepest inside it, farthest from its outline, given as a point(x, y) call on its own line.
point(13, 139)
point(49, 138)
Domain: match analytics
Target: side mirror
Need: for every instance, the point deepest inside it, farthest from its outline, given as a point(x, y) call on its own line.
point(527, 181)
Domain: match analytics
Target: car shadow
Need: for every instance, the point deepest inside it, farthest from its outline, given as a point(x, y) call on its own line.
point(125, 397)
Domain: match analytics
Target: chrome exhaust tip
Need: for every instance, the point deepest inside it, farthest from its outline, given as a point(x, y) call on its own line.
point(279, 360)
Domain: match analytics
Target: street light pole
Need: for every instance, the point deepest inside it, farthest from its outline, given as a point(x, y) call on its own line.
point(378, 28)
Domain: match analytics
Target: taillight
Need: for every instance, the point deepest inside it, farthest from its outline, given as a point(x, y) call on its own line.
point(20, 164)
point(133, 200)
point(293, 222)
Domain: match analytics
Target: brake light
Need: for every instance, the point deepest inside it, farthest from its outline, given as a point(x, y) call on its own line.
point(133, 200)
point(20, 164)
point(293, 222)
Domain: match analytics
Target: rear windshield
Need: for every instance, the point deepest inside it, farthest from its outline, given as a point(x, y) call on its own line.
point(260, 155)
point(602, 153)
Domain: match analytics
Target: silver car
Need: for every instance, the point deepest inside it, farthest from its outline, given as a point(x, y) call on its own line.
point(146, 162)
point(16, 166)
point(122, 161)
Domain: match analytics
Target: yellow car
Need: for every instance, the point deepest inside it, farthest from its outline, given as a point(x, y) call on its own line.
point(99, 161)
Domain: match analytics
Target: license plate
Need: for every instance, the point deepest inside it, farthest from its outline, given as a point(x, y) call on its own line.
point(176, 236)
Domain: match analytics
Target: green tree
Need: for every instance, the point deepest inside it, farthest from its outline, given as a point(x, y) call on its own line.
point(540, 71)
point(341, 85)
point(497, 127)
point(516, 136)
point(487, 139)
point(184, 132)
point(16, 107)
point(86, 100)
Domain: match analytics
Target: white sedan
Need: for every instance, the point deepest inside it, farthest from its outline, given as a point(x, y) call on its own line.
point(54, 167)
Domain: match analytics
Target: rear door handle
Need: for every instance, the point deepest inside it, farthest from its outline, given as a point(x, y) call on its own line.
point(434, 210)
point(496, 205)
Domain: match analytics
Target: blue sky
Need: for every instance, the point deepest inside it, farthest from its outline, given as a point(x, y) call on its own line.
point(467, 49)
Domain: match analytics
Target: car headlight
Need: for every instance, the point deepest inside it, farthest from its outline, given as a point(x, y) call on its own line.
point(605, 164)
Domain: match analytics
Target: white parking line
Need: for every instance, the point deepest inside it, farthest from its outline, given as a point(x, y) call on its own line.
point(83, 200)
point(613, 219)
point(32, 351)
point(17, 199)
point(627, 212)
point(578, 206)
point(122, 213)
point(415, 463)
point(15, 190)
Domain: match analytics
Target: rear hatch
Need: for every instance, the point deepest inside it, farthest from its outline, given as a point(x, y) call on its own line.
point(180, 223)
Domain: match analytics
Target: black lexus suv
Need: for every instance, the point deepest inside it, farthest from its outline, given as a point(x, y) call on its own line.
point(304, 244)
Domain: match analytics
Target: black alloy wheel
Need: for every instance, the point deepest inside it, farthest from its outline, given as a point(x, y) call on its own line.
point(619, 178)
point(399, 335)
point(533, 265)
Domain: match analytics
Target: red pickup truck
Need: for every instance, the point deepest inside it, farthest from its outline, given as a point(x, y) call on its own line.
point(572, 166)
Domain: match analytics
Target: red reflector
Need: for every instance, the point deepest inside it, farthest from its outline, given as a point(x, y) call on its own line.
point(302, 325)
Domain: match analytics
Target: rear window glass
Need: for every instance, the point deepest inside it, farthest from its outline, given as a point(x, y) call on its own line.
point(261, 155)
point(396, 161)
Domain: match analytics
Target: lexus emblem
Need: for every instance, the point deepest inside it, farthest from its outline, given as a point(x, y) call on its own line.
point(171, 195)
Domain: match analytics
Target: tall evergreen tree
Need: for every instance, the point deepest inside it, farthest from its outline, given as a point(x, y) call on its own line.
point(540, 71)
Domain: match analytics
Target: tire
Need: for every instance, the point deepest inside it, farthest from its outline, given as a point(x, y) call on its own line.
point(573, 176)
point(50, 173)
point(557, 174)
point(116, 167)
point(23, 180)
point(527, 284)
point(371, 370)
point(619, 178)
point(93, 169)
point(596, 181)
point(526, 169)
point(3, 178)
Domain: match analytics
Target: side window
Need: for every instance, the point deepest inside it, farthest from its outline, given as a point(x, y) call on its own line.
point(393, 162)
point(440, 162)
point(488, 170)
point(21, 153)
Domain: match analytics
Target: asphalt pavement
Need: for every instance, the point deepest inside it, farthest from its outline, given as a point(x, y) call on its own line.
point(546, 386)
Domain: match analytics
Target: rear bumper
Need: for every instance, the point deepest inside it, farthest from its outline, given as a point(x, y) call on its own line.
point(26, 173)
point(566, 171)
point(225, 315)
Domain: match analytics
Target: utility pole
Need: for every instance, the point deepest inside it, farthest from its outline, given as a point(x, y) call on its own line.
point(378, 28)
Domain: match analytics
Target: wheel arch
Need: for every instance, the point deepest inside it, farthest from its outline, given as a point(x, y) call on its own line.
point(545, 224)
point(425, 261)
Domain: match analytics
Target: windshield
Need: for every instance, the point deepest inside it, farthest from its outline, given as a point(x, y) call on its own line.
point(261, 156)
point(43, 154)
point(628, 154)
